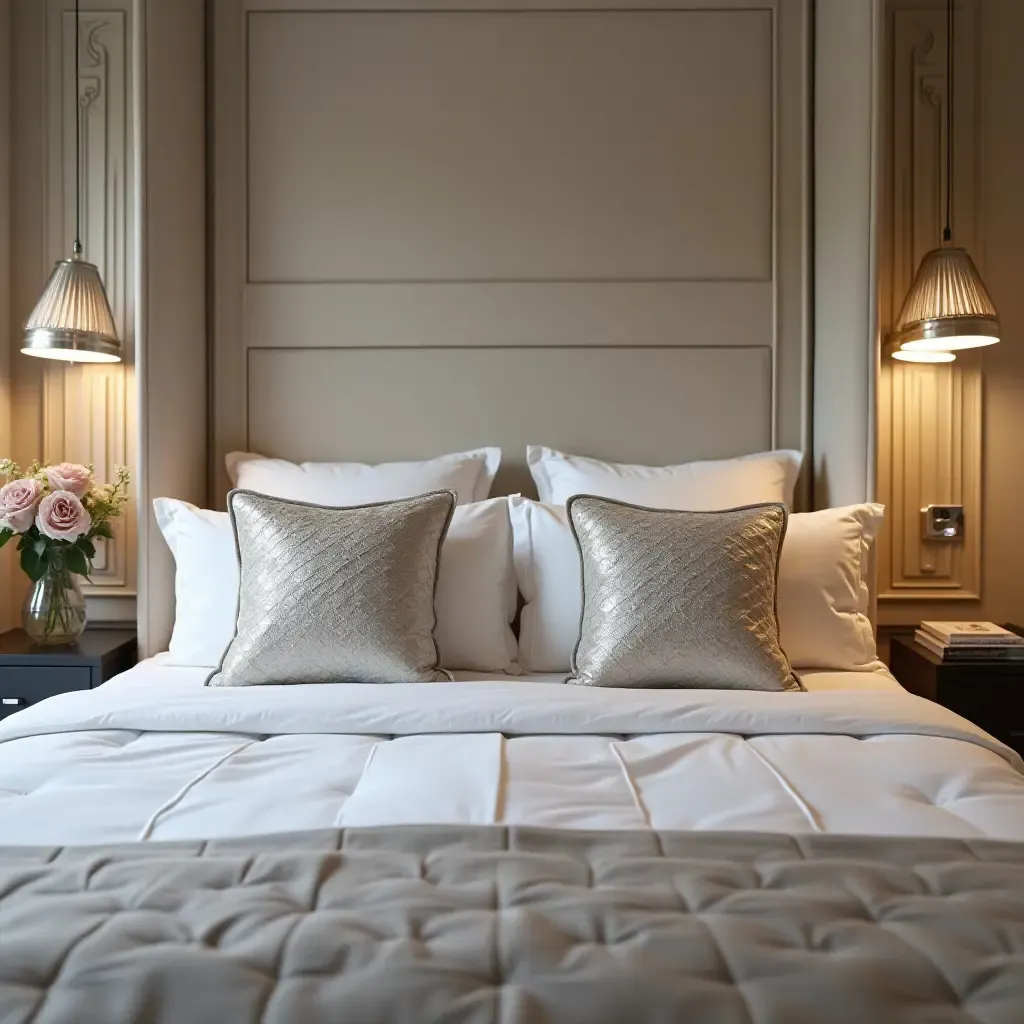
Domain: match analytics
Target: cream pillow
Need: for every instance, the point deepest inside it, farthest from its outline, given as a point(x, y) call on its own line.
point(823, 590)
point(469, 474)
point(696, 486)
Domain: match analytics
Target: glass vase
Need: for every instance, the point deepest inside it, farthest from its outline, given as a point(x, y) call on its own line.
point(54, 611)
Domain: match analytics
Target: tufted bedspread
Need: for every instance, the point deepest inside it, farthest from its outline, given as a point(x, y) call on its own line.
point(514, 926)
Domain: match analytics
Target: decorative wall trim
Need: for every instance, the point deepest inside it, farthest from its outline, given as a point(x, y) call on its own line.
point(88, 413)
point(930, 417)
point(934, 442)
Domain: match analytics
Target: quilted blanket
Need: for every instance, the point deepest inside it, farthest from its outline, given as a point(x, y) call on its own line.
point(514, 926)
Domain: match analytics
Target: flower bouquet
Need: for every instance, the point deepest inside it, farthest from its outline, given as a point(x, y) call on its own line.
point(57, 512)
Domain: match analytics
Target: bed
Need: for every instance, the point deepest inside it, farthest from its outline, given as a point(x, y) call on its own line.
point(228, 843)
point(499, 849)
point(298, 810)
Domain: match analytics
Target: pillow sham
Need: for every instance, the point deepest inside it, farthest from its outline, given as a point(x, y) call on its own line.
point(335, 595)
point(547, 567)
point(823, 590)
point(470, 474)
point(205, 580)
point(678, 599)
point(698, 486)
point(475, 600)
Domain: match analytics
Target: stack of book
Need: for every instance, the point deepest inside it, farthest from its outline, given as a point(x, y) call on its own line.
point(970, 641)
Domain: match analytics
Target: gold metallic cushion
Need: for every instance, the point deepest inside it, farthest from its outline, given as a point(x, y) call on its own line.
point(335, 595)
point(681, 599)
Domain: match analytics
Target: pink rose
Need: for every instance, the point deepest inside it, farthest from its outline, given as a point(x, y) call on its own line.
point(18, 501)
point(69, 476)
point(62, 516)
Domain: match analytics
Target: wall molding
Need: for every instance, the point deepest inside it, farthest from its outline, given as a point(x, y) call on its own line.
point(62, 411)
point(88, 412)
point(930, 417)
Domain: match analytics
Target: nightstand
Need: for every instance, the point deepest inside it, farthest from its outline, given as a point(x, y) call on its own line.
point(989, 693)
point(30, 673)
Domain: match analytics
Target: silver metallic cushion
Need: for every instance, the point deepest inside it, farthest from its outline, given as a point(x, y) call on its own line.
point(676, 598)
point(335, 595)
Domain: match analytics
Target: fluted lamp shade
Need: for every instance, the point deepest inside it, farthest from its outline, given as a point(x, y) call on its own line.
point(72, 319)
point(948, 307)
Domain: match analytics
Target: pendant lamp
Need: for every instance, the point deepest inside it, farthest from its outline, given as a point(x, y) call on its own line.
point(72, 319)
point(948, 307)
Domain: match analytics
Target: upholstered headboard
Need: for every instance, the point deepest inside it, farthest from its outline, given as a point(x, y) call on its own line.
point(444, 225)
point(439, 225)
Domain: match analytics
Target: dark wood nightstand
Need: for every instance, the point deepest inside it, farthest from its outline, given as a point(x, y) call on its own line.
point(989, 693)
point(30, 673)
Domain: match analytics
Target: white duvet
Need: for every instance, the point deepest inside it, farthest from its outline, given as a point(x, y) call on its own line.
point(155, 755)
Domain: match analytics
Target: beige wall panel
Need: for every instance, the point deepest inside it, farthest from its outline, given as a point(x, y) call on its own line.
point(930, 418)
point(845, 322)
point(933, 420)
point(989, 217)
point(626, 145)
point(1002, 210)
point(89, 413)
point(62, 411)
point(706, 313)
point(673, 165)
point(518, 244)
point(172, 272)
point(660, 405)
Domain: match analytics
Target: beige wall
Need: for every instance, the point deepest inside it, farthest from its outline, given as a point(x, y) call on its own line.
point(1002, 129)
point(164, 47)
point(633, 213)
point(62, 411)
point(142, 100)
point(846, 158)
point(954, 434)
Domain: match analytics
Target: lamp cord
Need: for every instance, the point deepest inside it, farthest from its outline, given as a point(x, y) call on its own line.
point(947, 232)
point(78, 143)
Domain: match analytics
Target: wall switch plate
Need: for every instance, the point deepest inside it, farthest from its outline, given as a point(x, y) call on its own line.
point(942, 522)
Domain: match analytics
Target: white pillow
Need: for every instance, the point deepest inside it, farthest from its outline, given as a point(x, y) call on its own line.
point(477, 595)
point(548, 569)
point(693, 486)
point(475, 600)
point(205, 580)
point(823, 590)
point(469, 474)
